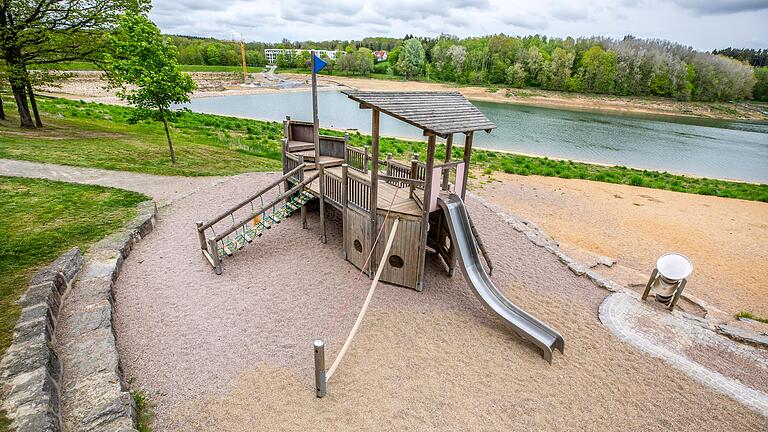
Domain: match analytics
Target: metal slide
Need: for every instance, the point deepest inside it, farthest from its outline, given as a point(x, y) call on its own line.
point(520, 321)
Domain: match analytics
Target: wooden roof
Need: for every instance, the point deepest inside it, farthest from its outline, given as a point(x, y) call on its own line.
point(439, 113)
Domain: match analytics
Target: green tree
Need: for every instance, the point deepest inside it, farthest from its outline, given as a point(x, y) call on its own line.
point(560, 69)
point(213, 55)
point(364, 61)
point(48, 32)
point(142, 59)
point(411, 61)
point(760, 92)
point(516, 75)
point(598, 70)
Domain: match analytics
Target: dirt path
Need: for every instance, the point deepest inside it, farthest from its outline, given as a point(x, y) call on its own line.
point(233, 352)
point(727, 239)
point(163, 189)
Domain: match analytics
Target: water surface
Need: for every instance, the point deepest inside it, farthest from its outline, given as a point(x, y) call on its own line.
point(703, 147)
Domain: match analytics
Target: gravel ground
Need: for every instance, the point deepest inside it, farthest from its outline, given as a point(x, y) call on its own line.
point(233, 352)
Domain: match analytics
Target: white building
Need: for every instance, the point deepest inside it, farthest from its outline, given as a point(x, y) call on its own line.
point(272, 53)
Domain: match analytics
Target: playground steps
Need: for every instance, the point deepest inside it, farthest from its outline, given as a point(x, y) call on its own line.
point(263, 223)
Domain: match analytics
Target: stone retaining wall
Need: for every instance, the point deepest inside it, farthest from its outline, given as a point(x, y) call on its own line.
point(94, 396)
point(62, 371)
point(30, 372)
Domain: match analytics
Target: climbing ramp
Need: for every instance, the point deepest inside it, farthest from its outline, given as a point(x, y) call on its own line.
point(230, 231)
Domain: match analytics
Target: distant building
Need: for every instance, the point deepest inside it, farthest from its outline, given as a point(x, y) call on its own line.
point(272, 53)
point(380, 55)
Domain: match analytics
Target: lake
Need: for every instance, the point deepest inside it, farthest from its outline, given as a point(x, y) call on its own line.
point(702, 147)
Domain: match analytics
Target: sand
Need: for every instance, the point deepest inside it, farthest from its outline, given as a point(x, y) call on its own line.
point(233, 352)
point(727, 239)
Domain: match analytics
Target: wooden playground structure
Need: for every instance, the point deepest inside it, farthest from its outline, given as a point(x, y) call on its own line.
point(418, 206)
point(365, 188)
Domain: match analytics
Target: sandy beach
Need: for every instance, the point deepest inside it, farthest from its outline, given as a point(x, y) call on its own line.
point(727, 239)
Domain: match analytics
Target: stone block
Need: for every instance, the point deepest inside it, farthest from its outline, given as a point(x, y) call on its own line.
point(30, 355)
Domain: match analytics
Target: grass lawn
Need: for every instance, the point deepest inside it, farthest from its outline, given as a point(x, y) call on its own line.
point(102, 136)
point(39, 220)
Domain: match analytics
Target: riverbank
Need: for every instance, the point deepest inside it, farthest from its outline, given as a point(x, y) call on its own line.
point(88, 85)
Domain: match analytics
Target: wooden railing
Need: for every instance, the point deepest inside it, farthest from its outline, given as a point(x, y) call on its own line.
point(290, 162)
point(333, 188)
point(357, 158)
point(209, 244)
point(359, 192)
point(399, 170)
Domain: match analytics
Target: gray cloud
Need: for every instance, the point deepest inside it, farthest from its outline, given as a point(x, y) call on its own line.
point(701, 23)
point(722, 6)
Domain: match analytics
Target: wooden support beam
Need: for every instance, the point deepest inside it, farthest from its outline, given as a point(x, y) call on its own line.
point(344, 205)
point(321, 179)
point(425, 212)
point(374, 187)
point(447, 172)
point(315, 120)
point(467, 156)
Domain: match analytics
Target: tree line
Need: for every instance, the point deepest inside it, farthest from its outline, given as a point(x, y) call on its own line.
point(628, 67)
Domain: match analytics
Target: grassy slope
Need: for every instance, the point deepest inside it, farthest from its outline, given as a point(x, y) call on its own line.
point(101, 136)
point(97, 135)
point(39, 220)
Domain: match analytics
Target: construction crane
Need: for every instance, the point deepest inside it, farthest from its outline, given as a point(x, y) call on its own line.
point(242, 55)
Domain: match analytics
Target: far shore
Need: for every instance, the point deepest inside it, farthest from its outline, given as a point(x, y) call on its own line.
point(88, 85)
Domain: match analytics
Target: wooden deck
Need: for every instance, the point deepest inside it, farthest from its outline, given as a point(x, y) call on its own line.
point(403, 203)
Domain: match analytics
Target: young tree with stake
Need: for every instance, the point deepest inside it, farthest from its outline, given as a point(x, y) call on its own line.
point(143, 59)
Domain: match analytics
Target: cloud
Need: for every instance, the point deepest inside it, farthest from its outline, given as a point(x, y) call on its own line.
point(708, 7)
point(688, 21)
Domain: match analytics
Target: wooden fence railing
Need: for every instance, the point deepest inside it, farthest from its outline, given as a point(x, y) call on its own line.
point(358, 158)
point(359, 192)
point(209, 244)
point(333, 188)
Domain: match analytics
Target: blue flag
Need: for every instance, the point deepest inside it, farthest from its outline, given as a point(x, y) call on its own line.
point(319, 64)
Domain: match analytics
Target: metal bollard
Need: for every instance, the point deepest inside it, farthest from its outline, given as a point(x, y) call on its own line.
point(320, 389)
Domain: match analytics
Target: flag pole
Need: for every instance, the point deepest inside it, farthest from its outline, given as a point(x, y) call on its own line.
point(315, 121)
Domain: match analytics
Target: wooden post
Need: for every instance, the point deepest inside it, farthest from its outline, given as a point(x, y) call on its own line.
point(214, 251)
point(344, 205)
point(287, 128)
point(448, 150)
point(304, 207)
point(374, 187)
point(467, 157)
point(315, 121)
point(321, 179)
point(366, 159)
point(425, 212)
point(414, 173)
point(201, 235)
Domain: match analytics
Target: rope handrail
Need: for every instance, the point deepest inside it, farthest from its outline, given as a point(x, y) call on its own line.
point(274, 202)
point(248, 200)
point(364, 309)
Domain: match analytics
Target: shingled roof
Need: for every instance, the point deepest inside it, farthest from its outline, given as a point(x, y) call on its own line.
point(439, 113)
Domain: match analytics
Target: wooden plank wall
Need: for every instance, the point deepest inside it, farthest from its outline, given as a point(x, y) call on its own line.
point(405, 246)
point(358, 228)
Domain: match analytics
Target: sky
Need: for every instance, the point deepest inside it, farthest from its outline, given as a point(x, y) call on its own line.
point(702, 24)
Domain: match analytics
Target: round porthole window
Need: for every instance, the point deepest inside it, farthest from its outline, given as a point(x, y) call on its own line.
point(358, 246)
point(395, 261)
